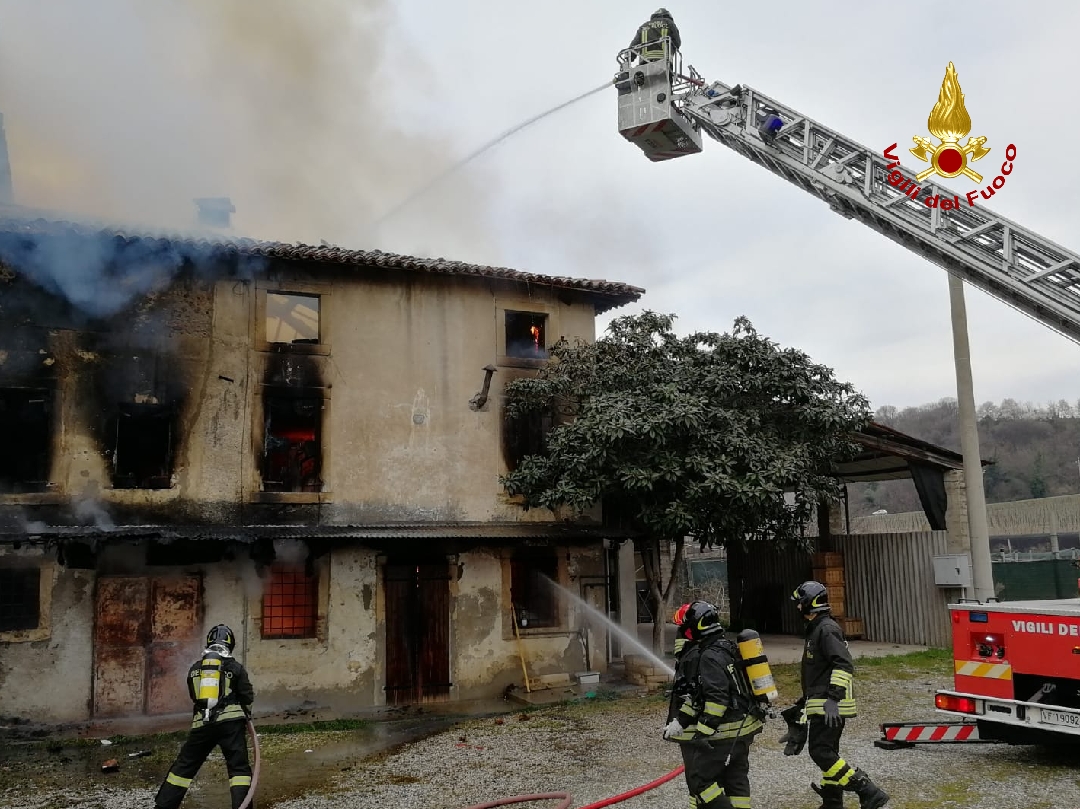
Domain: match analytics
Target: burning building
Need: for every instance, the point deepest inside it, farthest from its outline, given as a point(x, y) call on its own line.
point(288, 439)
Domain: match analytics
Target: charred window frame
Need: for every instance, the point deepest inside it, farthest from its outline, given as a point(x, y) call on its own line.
point(532, 595)
point(143, 438)
point(293, 318)
point(526, 435)
point(26, 458)
point(526, 335)
point(293, 452)
point(290, 603)
point(20, 599)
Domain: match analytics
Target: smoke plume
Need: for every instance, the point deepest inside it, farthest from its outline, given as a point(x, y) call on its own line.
point(123, 110)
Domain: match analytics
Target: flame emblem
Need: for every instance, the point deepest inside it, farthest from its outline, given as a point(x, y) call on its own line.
point(948, 122)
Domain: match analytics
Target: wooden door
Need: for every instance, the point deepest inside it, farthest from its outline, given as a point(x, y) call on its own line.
point(417, 632)
point(145, 637)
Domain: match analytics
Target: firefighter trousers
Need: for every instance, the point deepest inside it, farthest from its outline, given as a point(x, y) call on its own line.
point(714, 780)
point(823, 744)
point(230, 736)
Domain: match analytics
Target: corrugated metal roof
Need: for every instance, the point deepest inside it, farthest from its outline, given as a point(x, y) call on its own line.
point(249, 533)
point(209, 245)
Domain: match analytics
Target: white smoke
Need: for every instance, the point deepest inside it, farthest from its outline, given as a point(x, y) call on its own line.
point(127, 110)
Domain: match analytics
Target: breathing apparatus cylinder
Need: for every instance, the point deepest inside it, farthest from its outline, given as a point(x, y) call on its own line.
point(209, 691)
point(756, 665)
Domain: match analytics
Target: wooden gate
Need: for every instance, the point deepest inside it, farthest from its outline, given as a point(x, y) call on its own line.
point(146, 634)
point(417, 632)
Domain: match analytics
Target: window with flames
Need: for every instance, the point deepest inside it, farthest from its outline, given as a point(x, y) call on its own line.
point(290, 605)
point(526, 335)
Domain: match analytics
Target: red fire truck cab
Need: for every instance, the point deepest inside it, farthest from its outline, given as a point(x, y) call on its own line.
point(1017, 670)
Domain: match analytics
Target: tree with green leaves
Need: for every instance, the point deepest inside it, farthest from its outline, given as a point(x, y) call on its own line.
point(722, 438)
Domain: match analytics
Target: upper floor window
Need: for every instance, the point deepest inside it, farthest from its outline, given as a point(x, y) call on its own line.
point(292, 319)
point(526, 335)
point(142, 436)
point(526, 435)
point(26, 456)
point(292, 442)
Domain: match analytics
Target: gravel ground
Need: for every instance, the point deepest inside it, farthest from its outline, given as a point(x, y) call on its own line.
point(598, 748)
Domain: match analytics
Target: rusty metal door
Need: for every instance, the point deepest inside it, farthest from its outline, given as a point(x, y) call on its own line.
point(145, 637)
point(417, 632)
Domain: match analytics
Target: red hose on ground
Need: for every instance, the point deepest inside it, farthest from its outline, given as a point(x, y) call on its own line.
point(627, 795)
point(565, 796)
point(255, 769)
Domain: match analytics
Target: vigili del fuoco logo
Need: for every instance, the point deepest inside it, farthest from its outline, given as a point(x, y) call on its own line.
point(949, 123)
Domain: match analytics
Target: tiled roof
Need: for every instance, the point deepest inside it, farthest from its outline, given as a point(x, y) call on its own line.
point(211, 244)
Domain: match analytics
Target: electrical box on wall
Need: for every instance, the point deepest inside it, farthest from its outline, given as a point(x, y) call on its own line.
point(952, 571)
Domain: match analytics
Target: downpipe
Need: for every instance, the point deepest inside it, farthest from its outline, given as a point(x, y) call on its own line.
point(564, 798)
point(254, 767)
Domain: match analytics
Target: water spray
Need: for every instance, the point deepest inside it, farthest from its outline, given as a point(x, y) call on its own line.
point(489, 145)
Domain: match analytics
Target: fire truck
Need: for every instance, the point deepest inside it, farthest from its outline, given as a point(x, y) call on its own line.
point(1016, 665)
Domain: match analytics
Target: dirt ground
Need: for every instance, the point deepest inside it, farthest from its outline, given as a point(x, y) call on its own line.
point(592, 748)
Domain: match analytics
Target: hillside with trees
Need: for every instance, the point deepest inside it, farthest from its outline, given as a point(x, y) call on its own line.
point(1035, 449)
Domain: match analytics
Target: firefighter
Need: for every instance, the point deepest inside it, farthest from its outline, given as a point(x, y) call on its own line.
point(712, 714)
point(650, 34)
point(827, 702)
point(222, 694)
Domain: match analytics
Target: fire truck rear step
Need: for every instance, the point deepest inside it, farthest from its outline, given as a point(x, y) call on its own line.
point(898, 735)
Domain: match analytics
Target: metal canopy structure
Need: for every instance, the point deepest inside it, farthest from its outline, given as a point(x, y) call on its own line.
point(887, 454)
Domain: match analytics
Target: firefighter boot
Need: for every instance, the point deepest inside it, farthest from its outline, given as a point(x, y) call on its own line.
point(871, 796)
point(832, 796)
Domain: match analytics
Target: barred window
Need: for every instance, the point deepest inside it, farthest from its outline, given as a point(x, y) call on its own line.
point(20, 600)
point(290, 603)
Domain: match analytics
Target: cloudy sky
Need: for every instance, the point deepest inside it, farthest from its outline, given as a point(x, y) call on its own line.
point(317, 117)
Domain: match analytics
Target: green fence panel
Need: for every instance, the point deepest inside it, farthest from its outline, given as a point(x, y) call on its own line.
point(1029, 581)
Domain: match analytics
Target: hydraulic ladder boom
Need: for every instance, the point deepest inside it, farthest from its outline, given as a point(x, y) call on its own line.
point(1015, 265)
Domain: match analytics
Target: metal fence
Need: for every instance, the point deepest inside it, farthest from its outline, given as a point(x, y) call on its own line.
point(890, 586)
point(1025, 580)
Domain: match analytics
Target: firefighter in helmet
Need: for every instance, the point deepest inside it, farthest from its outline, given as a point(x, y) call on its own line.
point(827, 702)
point(712, 715)
point(222, 694)
point(650, 35)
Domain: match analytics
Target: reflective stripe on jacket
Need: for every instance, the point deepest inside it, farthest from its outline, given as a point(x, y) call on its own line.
point(710, 704)
point(827, 669)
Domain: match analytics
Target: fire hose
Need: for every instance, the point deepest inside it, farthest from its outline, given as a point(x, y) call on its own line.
point(255, 768)
point(564, 797)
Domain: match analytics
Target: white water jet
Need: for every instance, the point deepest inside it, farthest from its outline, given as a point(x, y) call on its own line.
point(611, 626)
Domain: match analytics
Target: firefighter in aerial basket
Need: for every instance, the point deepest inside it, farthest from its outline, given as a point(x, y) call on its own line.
point(713, 715)
point(222, 693)
point(653, 35)
point(828, 701)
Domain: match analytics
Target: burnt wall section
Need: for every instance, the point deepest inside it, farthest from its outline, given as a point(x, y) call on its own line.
point(28, 381)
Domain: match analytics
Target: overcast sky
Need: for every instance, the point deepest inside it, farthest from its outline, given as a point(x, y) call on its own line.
point(348, 107)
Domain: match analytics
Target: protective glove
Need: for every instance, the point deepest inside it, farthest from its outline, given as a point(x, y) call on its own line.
point(794, 739)
point(832, 713)
point(672, 729)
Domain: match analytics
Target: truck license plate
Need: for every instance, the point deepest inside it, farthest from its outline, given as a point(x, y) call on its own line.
point(1060, 718)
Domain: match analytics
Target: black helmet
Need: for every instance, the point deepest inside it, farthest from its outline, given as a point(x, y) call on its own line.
point(661, 14)
point(812, 597)
point(221, 635)
point(699, 620)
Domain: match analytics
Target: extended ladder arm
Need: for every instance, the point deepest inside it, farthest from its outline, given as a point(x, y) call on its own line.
point(1011, 263)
